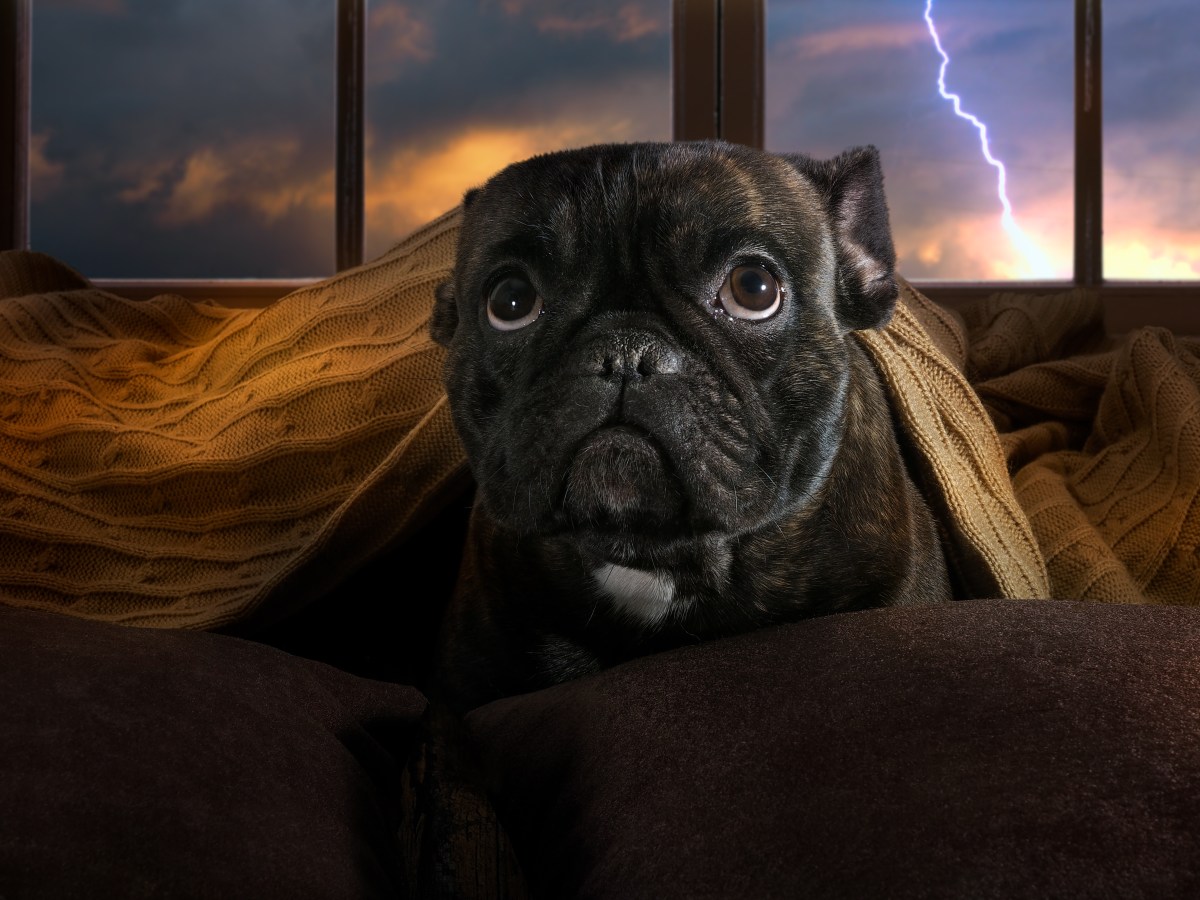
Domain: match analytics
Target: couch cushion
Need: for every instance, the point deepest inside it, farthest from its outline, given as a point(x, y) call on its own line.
point(138, 763)
point(980, 749)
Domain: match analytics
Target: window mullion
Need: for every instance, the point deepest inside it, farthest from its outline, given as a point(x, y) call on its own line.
point(694, 43)
point(717, 70)
point(742, 30)
point(1089, 155)
point(350, 198)
point(14, 125)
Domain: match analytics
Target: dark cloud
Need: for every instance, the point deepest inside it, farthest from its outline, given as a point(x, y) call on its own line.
point(1152, 133)
point(881, 88)
point(497, 66)
point(165, 118)
point(122, 243)
point(566, 73)
point(103, 7)
point(1150, 73)
point(195, 137)
point(208, 66)
point(126, 105)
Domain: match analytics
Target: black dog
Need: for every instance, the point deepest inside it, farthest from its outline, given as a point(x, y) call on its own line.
point(673, 433)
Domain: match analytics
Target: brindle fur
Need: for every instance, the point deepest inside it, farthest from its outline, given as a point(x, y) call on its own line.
point(754, 462)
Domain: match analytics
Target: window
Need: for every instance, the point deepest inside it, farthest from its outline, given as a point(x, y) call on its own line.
point(788, 74)
point(196, 139)
point(183, 140)
point(1151, 135)
point(601, 73)
point(867, 72)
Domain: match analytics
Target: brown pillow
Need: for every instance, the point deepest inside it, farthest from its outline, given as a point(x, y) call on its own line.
point(142, 763)
point(980, 749)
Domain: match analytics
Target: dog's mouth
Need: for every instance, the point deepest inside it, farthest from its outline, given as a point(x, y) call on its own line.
point(620, 479)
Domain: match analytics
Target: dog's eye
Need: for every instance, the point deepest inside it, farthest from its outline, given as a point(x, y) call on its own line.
point(513, 304)
point(750, 292)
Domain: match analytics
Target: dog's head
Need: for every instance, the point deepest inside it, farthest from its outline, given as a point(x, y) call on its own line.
point(647, 342)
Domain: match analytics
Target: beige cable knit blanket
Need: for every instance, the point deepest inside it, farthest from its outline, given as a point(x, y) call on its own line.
point(177, 464)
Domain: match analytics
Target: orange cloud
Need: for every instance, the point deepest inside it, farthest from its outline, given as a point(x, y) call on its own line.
point(409, 186)
point(977, 247)
point(1153, 257)
point(199, 191)
point(1138, 244)
point(256, 174)
point(44, 173)
point(151, 178)
point(397, 36)
point(628, 23)
point(856, 38)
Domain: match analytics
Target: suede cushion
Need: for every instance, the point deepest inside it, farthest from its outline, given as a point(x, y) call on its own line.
point(980, 749)
point(140, 763)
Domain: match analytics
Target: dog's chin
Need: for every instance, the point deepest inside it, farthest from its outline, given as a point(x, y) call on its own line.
point(620, 481)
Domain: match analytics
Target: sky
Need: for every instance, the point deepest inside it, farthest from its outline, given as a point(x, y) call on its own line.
point(194, 138)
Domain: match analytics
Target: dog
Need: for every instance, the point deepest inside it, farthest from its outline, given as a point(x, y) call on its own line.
point(673, 433)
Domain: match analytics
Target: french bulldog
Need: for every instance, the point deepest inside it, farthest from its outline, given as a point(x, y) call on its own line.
point(673, 433)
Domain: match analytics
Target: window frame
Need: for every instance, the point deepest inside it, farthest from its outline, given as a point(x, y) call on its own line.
point(709, 100)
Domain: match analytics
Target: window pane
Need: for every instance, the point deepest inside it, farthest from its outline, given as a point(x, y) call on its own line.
point(184, 138)
point(458, 89)
point(1151, 135)
point(866, 72)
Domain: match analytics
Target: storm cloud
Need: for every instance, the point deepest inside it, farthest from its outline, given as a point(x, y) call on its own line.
point(195, 138)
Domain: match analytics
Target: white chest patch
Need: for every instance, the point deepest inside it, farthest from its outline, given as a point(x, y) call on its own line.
point(644, 595)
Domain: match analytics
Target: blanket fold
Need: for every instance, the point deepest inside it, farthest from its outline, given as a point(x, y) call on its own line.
point(1102, 437)
point(179, 464)
point(955, 452)
point(172, 463)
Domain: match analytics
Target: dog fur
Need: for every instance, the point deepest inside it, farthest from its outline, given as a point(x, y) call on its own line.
point(652, 469)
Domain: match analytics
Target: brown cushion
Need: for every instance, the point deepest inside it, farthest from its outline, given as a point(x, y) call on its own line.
point(138, 763)
point(981, 749)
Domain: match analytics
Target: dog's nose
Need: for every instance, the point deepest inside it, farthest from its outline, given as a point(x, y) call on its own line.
point(635, 356)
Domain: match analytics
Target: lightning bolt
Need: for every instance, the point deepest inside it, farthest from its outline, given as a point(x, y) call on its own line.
point(1037, 265)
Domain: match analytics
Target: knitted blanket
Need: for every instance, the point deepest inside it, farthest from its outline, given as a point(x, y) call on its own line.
point(171, 463)
point(1102, 436)
point(178, 464)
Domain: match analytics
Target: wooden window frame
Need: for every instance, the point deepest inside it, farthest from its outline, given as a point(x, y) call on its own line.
point(717, 86)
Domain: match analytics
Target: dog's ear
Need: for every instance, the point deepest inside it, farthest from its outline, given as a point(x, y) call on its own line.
point(852, 187)
point(444, 320)
point(469, 196)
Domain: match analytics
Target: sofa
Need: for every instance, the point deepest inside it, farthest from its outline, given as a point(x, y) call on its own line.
point(227, 536)
point(984, 749)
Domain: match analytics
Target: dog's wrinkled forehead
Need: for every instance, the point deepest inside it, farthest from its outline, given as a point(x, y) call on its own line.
point(673, 196)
